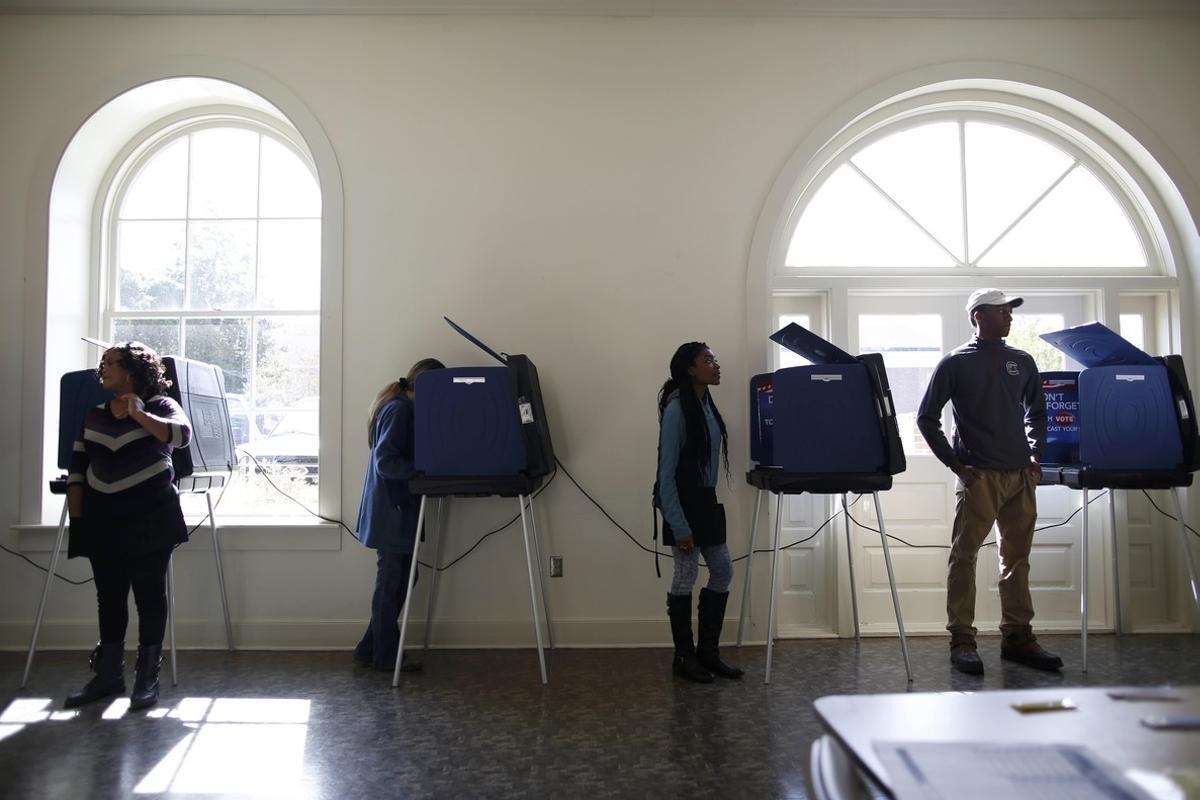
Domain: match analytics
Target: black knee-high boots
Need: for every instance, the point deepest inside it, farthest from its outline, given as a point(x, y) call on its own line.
point(685, 664)
point(108, 662)
point(712, 617)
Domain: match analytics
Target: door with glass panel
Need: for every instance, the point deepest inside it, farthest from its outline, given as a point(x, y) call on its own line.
point(808, 560)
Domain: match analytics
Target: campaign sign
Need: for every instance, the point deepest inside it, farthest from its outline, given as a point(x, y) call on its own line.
point(1062, 417)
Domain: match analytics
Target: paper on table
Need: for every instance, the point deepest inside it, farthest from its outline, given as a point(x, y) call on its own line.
point(991, 771)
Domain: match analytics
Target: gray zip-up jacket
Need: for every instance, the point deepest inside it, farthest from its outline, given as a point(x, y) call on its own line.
point(999, 409)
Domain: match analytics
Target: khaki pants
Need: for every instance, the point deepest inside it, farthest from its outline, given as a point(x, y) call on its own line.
point(1005, 497)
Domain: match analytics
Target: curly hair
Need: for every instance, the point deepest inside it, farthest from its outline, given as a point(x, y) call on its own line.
point(145, 368)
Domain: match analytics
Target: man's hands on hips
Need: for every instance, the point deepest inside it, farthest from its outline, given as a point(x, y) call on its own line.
point(966, 473)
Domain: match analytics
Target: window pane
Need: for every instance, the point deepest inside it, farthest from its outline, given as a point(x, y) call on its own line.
point(1133, 330)
point(921, 169)
point(1079, 224)
point(850, 224)
point(1025, 335)
point(150, 265)
point(224, 173)
point(160, 334)
point(221, 262)
point(1007, 170)
point(288, 360)
point(784, 357)
point(911, 345)
point(289, 264)
point(224, 342)
point(160, 189)
point(288, 188)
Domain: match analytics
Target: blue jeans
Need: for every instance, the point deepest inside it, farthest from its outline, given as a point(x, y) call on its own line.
point(382, 638)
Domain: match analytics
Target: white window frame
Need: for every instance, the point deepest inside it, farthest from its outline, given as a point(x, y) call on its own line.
point(63, 267)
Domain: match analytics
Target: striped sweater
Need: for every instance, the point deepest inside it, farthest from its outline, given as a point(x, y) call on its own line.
point(112, 455)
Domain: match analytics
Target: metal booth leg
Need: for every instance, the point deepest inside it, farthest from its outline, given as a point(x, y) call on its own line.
point(1187, 550)
point(541, 572)
point(850, 563)
point(887, 560)
point(412, 579)
point(439, 531)
point(1083, 582)
point(171, 619)
point(1116, 559)
point(774, 587)
point(537, 627)
point(37, 622)
point(212, 526)
point(749, 565)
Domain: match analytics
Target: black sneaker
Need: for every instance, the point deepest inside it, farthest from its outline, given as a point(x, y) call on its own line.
point(965, 658)
point(1031, 654)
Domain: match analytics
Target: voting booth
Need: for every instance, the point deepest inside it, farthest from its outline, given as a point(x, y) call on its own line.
point(481, 432)
point(206, 464)
point(825, 428)
point(1134, 427)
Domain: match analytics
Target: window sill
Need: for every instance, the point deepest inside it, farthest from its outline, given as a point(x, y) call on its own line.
point(244, 534)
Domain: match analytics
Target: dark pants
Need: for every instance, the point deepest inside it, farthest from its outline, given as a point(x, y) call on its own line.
point(382, 638)
point(147, 575)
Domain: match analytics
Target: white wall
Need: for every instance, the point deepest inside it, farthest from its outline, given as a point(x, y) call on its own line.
point(582, 190)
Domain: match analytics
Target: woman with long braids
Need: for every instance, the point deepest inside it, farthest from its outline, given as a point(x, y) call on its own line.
point(691, 445)
point(387, 516)
point(125, 515)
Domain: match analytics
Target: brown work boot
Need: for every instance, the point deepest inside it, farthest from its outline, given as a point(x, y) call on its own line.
point(965, 658)
point(1031, 654)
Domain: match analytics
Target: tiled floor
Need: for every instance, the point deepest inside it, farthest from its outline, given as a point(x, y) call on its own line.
point(612, 723)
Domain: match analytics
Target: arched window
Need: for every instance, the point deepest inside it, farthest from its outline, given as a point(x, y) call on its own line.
point(969, 190)
point(212, 251)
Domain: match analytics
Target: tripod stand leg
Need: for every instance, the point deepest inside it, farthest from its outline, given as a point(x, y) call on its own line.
point(37, 622)
point(212, 527)
point(774, 587)
point(749, 565)
point(541, 572)
point(537, 627)
point(412, 579)
point(887, 560)
point(850, 562)
point(1187, 550)
point(171, 618)
point(1083, 582)
point(1116, 557)
point(439, 530)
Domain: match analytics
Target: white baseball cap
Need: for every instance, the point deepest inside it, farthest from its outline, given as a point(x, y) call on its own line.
point(991, 297)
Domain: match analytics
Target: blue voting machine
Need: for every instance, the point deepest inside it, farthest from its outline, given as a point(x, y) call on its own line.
point(826, 428)
point(833, 416)
point(1134, 411)
point(1136, 429)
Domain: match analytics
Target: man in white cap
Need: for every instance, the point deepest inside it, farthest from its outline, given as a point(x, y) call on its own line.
point(999, 429)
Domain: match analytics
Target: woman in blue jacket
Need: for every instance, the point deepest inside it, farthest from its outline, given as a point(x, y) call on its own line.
point(387, 516)
point(691, 444)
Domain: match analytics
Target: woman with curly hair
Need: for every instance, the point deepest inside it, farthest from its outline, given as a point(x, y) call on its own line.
point(125, 515)
point(691, 443)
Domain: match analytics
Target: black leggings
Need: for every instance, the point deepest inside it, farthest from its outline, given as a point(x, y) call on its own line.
point(147, 575)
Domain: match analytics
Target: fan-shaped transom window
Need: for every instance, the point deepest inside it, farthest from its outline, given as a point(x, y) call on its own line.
point(967, 192)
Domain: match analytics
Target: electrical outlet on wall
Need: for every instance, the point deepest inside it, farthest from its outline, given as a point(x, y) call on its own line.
point(556, 566)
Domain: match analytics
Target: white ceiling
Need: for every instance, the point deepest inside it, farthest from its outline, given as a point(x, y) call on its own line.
point(971, 9)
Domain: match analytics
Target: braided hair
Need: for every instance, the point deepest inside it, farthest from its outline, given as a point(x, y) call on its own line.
point(693, 414)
